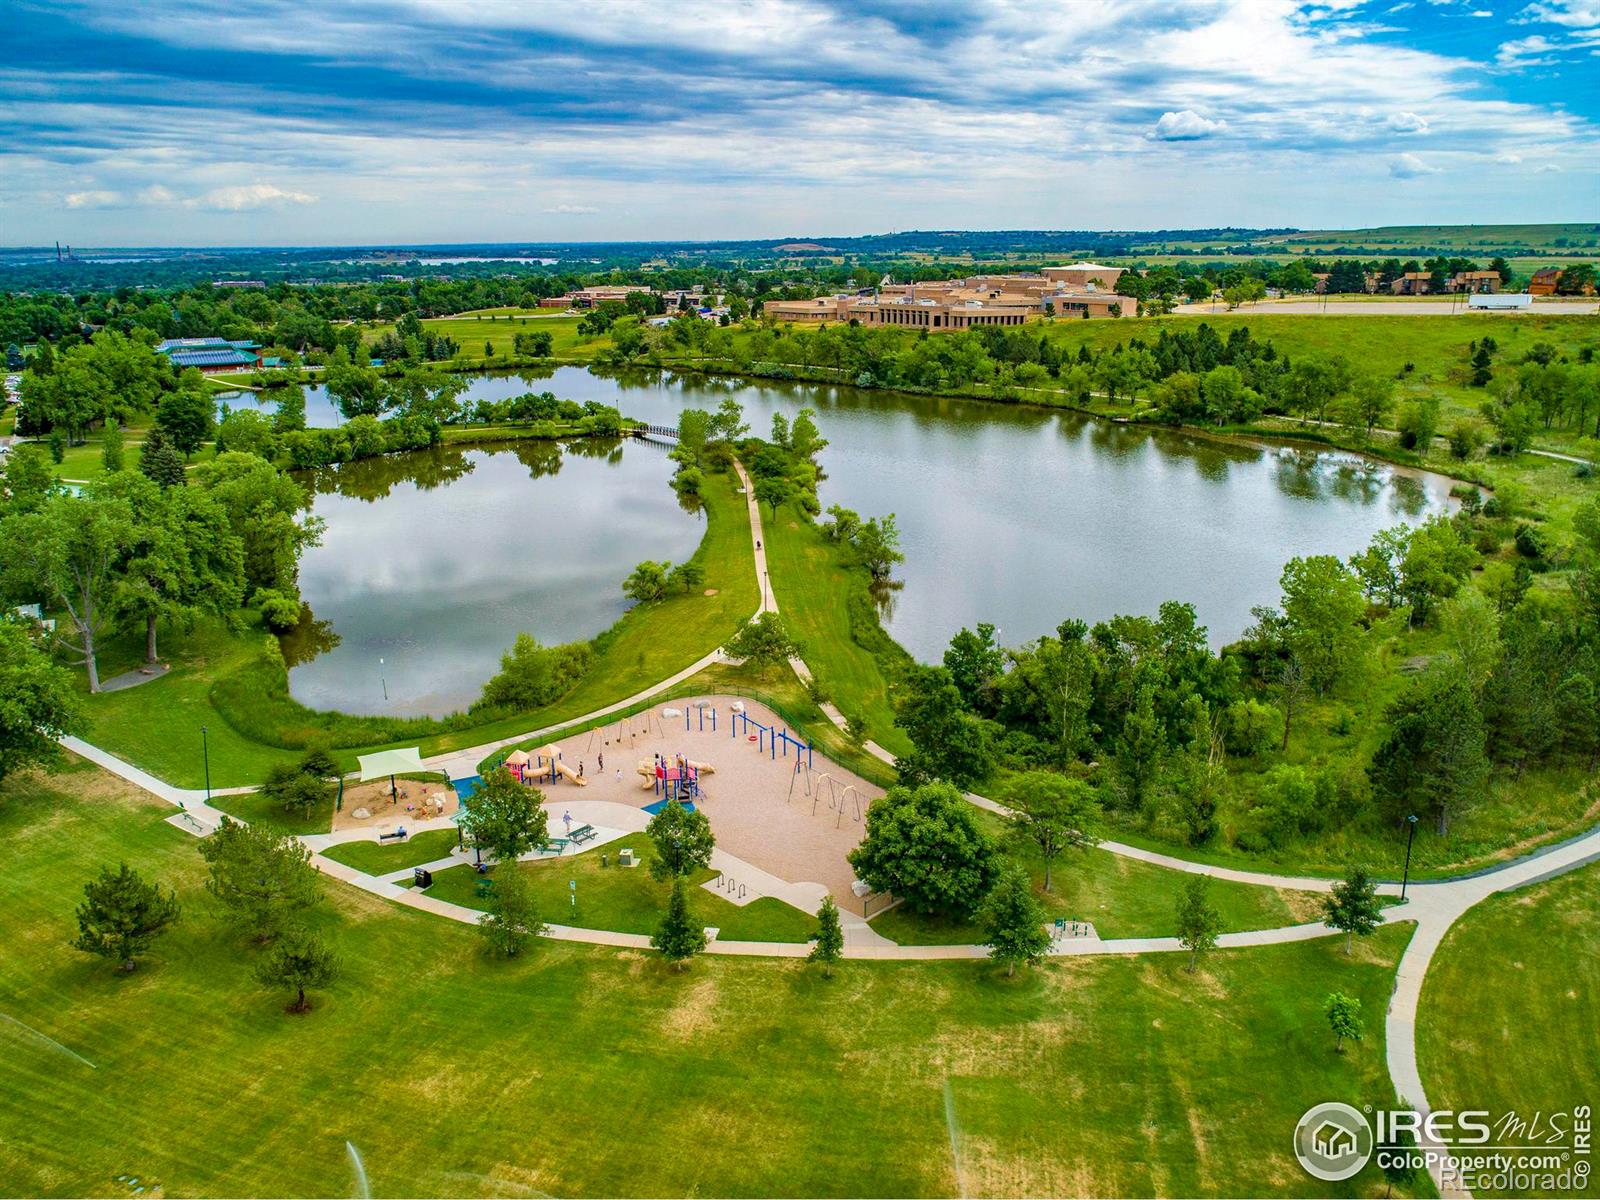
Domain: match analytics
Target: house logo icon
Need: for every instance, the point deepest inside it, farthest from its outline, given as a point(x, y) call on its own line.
point(1333, 1141)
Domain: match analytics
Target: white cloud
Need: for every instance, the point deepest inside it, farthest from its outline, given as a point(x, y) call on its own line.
point(1480, 12)
point(243, 197)
point(1409, 166)
point(1508, 159)
point(1524, 52)
point(1185, 126)
point(157, 194)
point(1408, 122)
point(573, 210)
point(1547, 169)
point(93, 199)
point(1574, 14)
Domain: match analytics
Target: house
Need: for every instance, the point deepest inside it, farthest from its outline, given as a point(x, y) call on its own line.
point(1544, 281)
point(1474, 281)
point(211, 354)
point(952, 305)
point(1413, 283)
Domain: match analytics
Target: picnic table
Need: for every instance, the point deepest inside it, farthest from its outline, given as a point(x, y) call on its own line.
point(584, 833)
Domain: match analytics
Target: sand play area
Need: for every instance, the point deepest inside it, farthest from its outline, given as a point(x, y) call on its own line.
point(798, 826)
point(386, 811)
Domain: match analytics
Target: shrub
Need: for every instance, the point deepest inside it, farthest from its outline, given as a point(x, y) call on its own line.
point(280, 612)
point(532, 675)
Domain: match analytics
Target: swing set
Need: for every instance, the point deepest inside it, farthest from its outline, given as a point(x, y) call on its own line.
point(768, 738)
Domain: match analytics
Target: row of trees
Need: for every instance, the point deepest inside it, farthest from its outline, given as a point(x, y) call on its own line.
point(131, 551)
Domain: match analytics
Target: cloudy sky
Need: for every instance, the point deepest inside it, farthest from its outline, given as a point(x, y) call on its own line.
point(261, 122)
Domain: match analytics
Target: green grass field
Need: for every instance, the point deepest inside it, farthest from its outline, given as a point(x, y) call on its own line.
point(812, 585)
point(1510, 1015)
point(1121, 897)
point(627, 899)
point(473, 330)
point(377, 859)
point(584, 1071)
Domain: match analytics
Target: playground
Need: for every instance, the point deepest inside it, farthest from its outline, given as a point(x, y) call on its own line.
point(773, 802)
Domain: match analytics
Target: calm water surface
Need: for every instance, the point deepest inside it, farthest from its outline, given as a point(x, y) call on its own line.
point(433, 562)
point(1019, 516)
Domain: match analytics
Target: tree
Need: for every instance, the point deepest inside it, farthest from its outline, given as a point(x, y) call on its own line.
point(1054, 814)
point(1198, 920)
point(159, 461)
point(829, 937)
point(357, 389)
point(121, 915)
point(924, 845)
point(1344, 1018)
point(1352, 907)
point(505, 818)
point(689, 575)
point(263, 880)
point(111, 450)
point(877, 544)
point(296, 789)
point(1323, 608)
point(73, 552)
point(512, 917)
point(762, 643)
point(1013, 921)
point(26, 480)
point(1291, 693)
point(678, 937)
point(188, 415)
point(1373, 394)
point(38, 704)
point(683, 841)
point(302, 960)
point(264, 507)
point(648, 581)
point(774, 491)
point(1432, 758)
point(184, 560)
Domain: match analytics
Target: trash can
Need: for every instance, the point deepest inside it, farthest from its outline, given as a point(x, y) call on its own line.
point(423, 878)
point(603, 861)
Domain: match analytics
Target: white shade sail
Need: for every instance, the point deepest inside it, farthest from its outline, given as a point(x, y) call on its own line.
point(391, 762)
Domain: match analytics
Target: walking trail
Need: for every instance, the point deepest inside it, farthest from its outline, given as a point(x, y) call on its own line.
point(1433, 906)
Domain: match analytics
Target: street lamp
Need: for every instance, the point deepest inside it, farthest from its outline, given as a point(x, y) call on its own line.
point(205, 751)
point(766, 589)
point(383, 681)
point(1411, 836)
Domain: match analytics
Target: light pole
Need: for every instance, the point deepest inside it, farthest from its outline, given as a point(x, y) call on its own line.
point(766, 589)
point(1411, 836)
point(383, 681)
point(205, 752)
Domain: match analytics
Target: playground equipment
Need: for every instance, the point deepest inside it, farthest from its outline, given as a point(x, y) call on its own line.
point(543, 765)
point(674, 778)
point(766, 737)
point(838, 799)
point(694, 717)
point(801, 774)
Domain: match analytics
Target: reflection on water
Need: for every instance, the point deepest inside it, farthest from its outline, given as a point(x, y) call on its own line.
point(1015, 515)
point(1025, 516)
point(469, 547)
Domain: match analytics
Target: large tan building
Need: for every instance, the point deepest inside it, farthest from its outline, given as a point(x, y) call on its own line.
point(951, 305)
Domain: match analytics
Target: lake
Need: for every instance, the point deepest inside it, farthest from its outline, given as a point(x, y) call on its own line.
point(1010, 514)
point(433, 562)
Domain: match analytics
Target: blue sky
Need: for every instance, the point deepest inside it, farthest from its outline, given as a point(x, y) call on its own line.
point(263, 122)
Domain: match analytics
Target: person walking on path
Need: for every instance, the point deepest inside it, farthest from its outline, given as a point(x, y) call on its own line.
point(602, 760)
point(566, 817)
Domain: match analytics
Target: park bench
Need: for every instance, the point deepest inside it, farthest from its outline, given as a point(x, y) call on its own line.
point(584, 833)
point(554, 846)
point(399, 835)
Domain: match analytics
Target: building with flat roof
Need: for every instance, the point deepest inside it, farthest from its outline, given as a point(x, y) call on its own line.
point(1082, 274)
point(951, 305)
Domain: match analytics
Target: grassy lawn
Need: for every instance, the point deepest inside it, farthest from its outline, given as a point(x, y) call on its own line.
point(221, 680)
point(1510, 1015)
point(627, 899)
point(813, 587)
point(377, 859)
point(472, 330)
point(584, 1071)
point(1121, 897)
